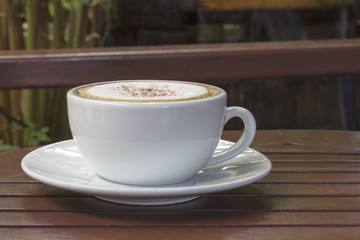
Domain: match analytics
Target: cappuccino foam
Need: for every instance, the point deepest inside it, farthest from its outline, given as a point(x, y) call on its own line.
point(146, 91)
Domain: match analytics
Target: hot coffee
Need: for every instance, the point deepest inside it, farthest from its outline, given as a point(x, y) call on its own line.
point(147, 91)
point(153, 132)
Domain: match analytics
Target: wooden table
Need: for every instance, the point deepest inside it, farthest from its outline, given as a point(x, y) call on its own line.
point(313, 192)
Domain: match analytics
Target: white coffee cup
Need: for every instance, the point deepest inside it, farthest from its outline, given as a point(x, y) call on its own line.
point(156, 142)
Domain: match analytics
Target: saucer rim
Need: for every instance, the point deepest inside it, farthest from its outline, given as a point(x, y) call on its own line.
point(142, 192)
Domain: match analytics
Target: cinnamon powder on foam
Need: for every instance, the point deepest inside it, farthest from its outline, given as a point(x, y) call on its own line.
point(145, 92)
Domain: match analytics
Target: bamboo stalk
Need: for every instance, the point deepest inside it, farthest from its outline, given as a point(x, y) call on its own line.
point(43, 16)
point(15, 39)
point(32, 24)
point(5, 135)
point(94, 24)
point(44, 107)
point(84, 25)
point(55, 121)
point(59, 39)
point(55, 118)
point(81, 21)
point(107, 9)
point(27, 95)
point(72, 24)
point(50, 99)
point(31, 37)
point(77, 29)
point(35, 99)
point(39, 104)
point(15, 111)
point(5, 101)
point(3, 26)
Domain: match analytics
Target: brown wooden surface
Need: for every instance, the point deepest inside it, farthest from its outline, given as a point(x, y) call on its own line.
point(201, 62)
point(268, 4)
point(313, 192)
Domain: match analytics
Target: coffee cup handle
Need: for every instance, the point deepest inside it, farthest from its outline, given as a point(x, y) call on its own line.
point(244, 141)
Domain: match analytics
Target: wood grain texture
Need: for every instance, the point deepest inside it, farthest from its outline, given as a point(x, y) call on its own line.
point(181, 233)
point(303, 141)
point(179, 219)
point(313, 192)
point(216, 5)
point(198, 62)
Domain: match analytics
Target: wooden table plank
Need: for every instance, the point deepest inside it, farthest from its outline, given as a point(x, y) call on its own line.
point(260, 188)
point(213, 203)
point(179, 219)
point(316, 167)
point(267, 142)
point(181, 233)
point(10, 165)
point(303, 141)
point(314, 178)
point(299, 190)
point(313, 192)
point(313, 158)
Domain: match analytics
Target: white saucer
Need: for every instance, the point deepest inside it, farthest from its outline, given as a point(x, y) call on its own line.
point(61, 165)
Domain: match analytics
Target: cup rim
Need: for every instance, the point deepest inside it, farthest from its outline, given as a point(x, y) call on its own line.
point(71, 93)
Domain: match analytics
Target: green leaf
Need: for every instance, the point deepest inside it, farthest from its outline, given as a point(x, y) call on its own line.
point(91, 36)
point(38, 136)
